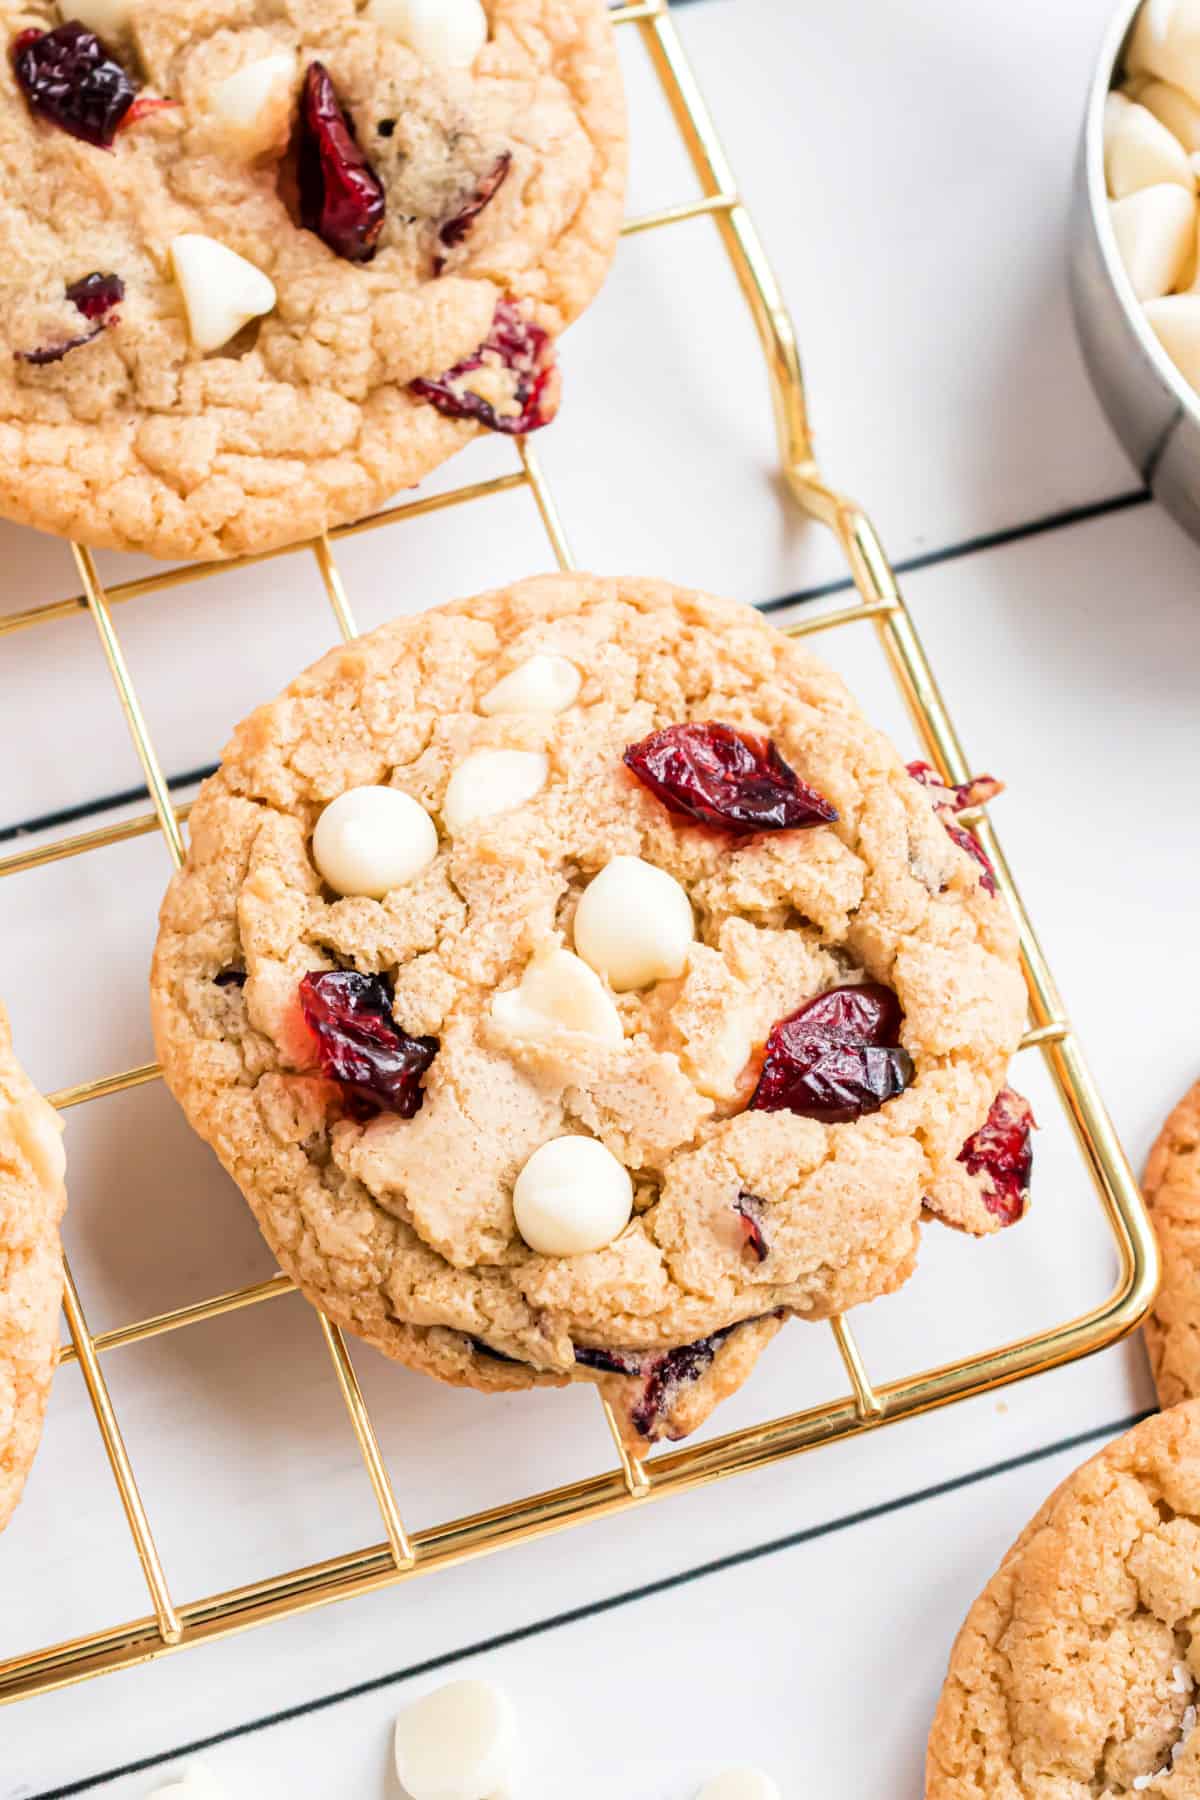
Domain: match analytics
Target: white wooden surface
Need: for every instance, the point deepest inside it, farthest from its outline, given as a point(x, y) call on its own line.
point(907, 162)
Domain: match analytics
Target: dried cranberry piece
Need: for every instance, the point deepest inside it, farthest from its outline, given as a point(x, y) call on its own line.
point(52, 353)
point(455, 228)
point(526, 353)
point(749, 1209)
point(478, 1345)
point(1001, 1154)
point(96, 294)
point(142, 108)
point(341, 197)
point(837, 1058)
point(614, 1362)
point(662, 1372)
point(678, 1368)
point(71, 78)
point(948, 800)
point(727, 779)
point(377, 1066)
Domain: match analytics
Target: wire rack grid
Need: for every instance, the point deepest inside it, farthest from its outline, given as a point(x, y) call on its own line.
point(171, 1624)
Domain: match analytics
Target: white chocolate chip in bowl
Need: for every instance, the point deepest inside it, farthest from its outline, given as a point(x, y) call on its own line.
point(1139, 151)
point(572, 1196)
point(221, 290)
point(492, 781)
point(373, 839)
point(1174, 109)
point(447, 33)
point(109, 19)
point(1166, 42)
point(1175, 321)
point(1155, 231)
point(252, 106)
point(458, 1743)
point(542, 684)
point(739, 1784)
point(558, 992)
point(634, 924)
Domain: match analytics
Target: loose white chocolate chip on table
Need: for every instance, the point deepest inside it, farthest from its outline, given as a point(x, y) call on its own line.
point(1173, 108)
point(221, 290)
point(542, 684)
point(448, 33)
point(1139, 151)
point(107, 18)
point(558, 992)
point(634, 924)
point(458, 1743)
point(372, 839)
point(572, 1196)
point(1175, 320)
point(243, 97)
point(38, 1131)
point(195, 1783)
point(739, 1784)
point(1155, 231)
point(492, 781)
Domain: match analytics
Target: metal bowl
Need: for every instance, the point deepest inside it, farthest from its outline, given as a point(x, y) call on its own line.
point(1152, 409)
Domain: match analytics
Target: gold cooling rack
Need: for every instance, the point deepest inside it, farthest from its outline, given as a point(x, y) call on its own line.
point(174, 1624)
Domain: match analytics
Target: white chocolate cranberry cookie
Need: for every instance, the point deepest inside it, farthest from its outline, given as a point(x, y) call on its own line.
point(1172, 1185)
point(575, 985)
point(1076, 1674)
point(265, 262)
point(32, 1198)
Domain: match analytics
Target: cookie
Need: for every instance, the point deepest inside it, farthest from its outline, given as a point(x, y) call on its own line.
point(1172, 1187)
point(32, 1199)
point(1075, 1675)
point(265, 263)
point(592, 860)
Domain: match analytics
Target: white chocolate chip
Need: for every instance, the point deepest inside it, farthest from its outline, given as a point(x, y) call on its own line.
point(1173, 108)
point(245, 98)
point(221, 290)
point(458, 1743)
point(542, 684)
point(634, 924)
point(195, 1783)
point(492, 781)
point(38, 1132)
point(1166, 43)
point(572, 1196)
point(1175, 320)
point(1139, 151)
point(1155, 232)
point(558, 992)
point(107, 18)
point(448, 33)
point(739, 1784)
point(373, 839)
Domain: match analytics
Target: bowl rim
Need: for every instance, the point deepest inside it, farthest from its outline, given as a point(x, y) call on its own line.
point(1115, 36)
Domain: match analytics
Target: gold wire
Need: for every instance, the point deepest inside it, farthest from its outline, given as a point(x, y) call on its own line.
point(169, 1627)
point(546, 505)
point(364, 1430)
point(633, 1471)
point(694, 1465)
point(156, 781)
point(164, 579)
point(196, 1314)
point(865, 1397)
